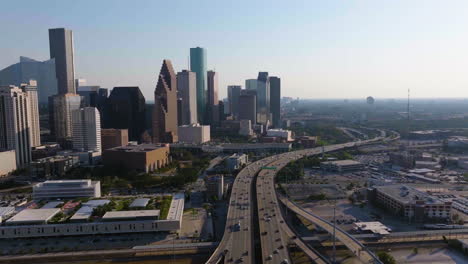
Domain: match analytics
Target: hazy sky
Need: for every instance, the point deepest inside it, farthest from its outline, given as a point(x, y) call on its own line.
point(320, 49)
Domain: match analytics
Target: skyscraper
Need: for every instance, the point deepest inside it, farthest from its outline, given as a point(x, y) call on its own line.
point(63, 106)
point(28, 69)
point(251, 84)
point(33, 113)
point(187, 91)
point(14, 123)
point(263, 98)
point(86, 129)
point(247, 107)
point(234, 92)
point(165, 106)
point(126, 109)
point(275, 101)
point(198, 65)
point(61, 49)
point(212, 104)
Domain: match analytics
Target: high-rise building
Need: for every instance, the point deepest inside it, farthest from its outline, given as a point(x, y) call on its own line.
point(28, 69)
point(111, 138)
point(275, 101)
point(61, 49)
point(234, 92)
point(86, 129)
point(165, 105)
point(263, 98)
point(187, 91)
point(63, 105)
point(126, 109)
point(14, 123)
point(33, 113)
point(198, 65)
point(212, 104)
point(251, 84)
point(221, 114)
point(247, 107)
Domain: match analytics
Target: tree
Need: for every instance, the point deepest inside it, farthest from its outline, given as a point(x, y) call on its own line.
point(386, 258)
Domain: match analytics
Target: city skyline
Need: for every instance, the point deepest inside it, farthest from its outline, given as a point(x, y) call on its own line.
point(352, 50)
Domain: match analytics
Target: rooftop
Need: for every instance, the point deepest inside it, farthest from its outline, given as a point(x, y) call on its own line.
point(96, 203)
point(374, 227)
point(131, 214)
point(140, 202)
point(177, 207)
point(50, 205)
point(138, 148)
point(6, 210)
point(33, 215)
point(342, 162)
point(83, 213)
point(408, 195)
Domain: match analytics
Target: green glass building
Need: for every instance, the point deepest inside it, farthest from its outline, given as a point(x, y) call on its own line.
point(198, 65)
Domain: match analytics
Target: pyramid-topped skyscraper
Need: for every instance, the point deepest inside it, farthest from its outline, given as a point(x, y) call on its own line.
point(165, 106)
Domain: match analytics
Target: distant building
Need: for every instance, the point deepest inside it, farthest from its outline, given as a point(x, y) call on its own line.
point(342, 165)
point(61, 49)
point(66, 189)
point(263, 97)
point(245, 128)
point(234, 92)
point(275, 101)
point(44, 151)
point(411, 203)
point(8, 164)
point(143, 157)
point(126, 109)
point(86, 129)
point(402, 159)
point(212, 100)
point(15, 123)
point(307, 141)
point(194, 133)
point(30, 89)
point(53, 167)
point(187, 91)
point(198, 65)
point(251, 84)
point(248, 108)
point(457, 142)
point(285, 134)
point(62, 107)
point(236, 161)
point(165, 106)
point(28, 69)
point(215, 186)
point(111, 138)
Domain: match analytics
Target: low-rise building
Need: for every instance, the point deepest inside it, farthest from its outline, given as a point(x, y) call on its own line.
point(33, 216)
point(44, 151)
point(8, 162)
point(342, 165)
point(307, 141)
point(66, 189)
point(55, 166)
point(194, 133)
point(143, 157)
point(245, 128)
point(411, 203)
point(133, 215)
point(215, 186)
point(139, 203)
point(285, 134)
point(112, 137)
point(236, 161)
point(5, 212)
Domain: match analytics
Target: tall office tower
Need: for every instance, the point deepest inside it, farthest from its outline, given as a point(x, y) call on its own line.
point(28, 69)
point(198, 65)
point(165, 106)
point(212, 104)
point(251, 84)
point(275, 101)
point(86, 129)
point(222, 115)
point(263, 98)
point(187, 91)
point(248, 107)
point(61, 49)
point(63, 105)
point(33, 113)
point(227, 108)
point(234, 92)
point(14, 123)
point(126, 109)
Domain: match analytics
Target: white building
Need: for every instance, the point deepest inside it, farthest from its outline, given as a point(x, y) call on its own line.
point(194, 133)
point(8, 162)
point(187, 90)
point(14, 123)
point(245, 128)
point(281, 133)
point(66, 189)
point(63, 106)
point(86, 129)
point(235, 161)
point(33, 216)
point(33, 113)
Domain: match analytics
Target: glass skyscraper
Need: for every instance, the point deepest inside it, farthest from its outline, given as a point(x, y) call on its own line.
point(198, 65)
